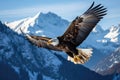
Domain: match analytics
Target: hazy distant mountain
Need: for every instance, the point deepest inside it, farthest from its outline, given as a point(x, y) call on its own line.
point(102, 41)
point(19, 60)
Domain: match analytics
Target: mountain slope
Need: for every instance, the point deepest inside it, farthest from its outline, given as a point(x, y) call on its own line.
point(109, 62)
point(32, 63)
point(25, 58)
point(115, 70)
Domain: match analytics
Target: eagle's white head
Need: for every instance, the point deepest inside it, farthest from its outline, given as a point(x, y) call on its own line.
point(53, 41)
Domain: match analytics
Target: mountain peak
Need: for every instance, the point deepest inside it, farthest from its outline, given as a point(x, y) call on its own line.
point(39, 23)
point(37, 15)
point(51, 13)
point(98, 28)
point(49, 16)
point(114, 28)
point(113, 34)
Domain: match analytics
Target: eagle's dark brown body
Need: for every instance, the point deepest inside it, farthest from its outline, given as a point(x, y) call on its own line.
point(77, 32)
point(68, 47)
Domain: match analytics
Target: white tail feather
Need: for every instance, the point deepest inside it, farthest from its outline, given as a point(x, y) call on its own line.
point(87, 51)
point(82, 57)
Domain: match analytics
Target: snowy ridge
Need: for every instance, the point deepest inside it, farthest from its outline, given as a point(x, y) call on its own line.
point(113, 34)
point(23, 24)
point(40, 23)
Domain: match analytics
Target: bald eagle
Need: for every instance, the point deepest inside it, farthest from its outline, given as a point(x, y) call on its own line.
point(76, 33)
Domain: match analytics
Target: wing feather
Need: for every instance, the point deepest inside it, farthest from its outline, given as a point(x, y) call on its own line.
point(80, 27)
point(41, 42)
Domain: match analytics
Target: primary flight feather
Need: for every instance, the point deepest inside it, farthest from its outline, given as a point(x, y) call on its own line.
point(76, 33)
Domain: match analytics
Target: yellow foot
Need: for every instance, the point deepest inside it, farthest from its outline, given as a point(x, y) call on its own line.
point(78, 60)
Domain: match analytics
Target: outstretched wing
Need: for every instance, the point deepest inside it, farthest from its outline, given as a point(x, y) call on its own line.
point(80, 28)
point(40, 41)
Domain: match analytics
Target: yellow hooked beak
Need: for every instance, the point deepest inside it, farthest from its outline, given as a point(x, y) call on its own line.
point(49, 42)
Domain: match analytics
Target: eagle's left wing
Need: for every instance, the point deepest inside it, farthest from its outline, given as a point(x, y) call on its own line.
point(80, 28)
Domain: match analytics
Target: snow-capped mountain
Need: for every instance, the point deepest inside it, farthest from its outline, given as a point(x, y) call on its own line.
point(102, 41)
point(19, 60)
point(41, 24)
point(113, 34)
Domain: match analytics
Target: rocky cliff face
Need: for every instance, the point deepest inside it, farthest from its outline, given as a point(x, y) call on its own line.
point(109, 65)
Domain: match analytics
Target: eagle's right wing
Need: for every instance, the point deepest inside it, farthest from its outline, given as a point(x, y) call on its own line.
point(40, 41)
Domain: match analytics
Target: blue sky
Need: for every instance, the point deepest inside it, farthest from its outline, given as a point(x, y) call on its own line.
point(11, 10)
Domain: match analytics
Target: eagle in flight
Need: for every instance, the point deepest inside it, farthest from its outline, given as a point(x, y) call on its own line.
point(76, 33)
